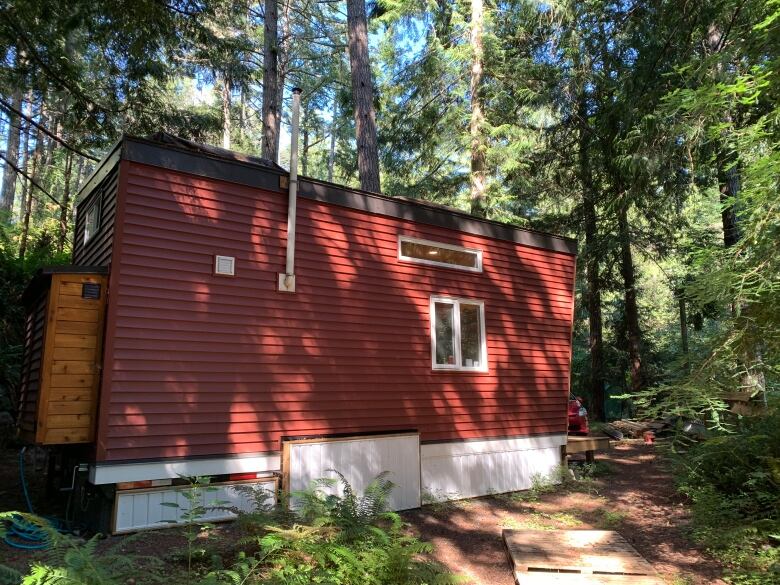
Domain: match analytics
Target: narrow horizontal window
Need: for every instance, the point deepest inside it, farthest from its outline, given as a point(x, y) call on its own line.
point(92, 221)
point(458, 339)
point(437, 254)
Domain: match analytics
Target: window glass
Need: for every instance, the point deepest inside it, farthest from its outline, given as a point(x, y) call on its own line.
point(458, 334)
point(91, 222)
point(441, 254)
point(470, 335)
point(445, 333)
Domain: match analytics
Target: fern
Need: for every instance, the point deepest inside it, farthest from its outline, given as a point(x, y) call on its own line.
point(72, 561)
point(347, 539)
point(9, 576)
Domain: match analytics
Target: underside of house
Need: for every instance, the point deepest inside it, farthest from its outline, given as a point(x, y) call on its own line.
point(412, 338)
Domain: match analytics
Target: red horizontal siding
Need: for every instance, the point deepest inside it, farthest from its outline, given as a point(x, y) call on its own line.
point(205, 365)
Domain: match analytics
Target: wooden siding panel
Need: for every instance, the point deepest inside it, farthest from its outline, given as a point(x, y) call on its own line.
point(31, 367)
point(97, 251)
point(66, 393)
point(203, 365)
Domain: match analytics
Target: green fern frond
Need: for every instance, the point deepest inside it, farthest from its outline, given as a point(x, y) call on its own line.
point(9, 576)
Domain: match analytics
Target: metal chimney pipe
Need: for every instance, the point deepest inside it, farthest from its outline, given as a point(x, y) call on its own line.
point(287, 280)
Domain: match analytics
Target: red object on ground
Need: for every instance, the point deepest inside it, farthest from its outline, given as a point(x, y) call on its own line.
point(578, 417)
point(649, 437)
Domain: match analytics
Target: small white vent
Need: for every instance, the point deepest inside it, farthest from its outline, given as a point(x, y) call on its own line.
point(225, 265)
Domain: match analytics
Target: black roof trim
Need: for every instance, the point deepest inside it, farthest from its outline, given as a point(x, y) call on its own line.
point(209, 150)
point(202, 163)
point(72, 269)
point(236, 168)
point(422, 212)
point(105, 166)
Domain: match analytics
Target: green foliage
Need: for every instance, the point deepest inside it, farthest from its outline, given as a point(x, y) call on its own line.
point(733, 481)
point(348, 539)
point(15, 275)
point(196, 532)
point(72, 561)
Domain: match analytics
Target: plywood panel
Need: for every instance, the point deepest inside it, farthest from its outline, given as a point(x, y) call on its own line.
point(360, 460)
point(72, 380)
point(67, 436)
point(580, 579)
point(574, 551)
point(70, 340)
point(70, 406)
point(452, 471)
point(80, 315)
point(73, 367)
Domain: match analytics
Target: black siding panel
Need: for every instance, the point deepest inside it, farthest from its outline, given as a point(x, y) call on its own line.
point(97, 252)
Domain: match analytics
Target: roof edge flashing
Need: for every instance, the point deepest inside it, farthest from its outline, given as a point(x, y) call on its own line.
point(245, 171)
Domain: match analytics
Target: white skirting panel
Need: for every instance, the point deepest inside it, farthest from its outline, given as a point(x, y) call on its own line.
point(360, 460)
point(467, 469)
point(144, 509)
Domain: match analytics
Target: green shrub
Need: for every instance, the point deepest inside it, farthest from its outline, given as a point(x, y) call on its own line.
point(733, 482)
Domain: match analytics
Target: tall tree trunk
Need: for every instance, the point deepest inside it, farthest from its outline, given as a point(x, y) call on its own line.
point(595, 325)
point(28, 195)
point(226, 106)
point(65, 204)
point(728, 182)
point(12, 154)
point(683, 324)
point(242, 121)
point(283, 66)
point(305, 146)
point(629, 284)
point(363, 96)
point(38, 171)
point(28, 130)
point(271, 119)
point(728, 175)
point(332, 150)
point(753, 377)
point(476, 130)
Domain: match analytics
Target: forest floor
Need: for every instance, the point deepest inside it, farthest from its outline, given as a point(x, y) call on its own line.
point(631, 492)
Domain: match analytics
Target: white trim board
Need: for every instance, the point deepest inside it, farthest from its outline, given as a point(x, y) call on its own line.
point(106, 473)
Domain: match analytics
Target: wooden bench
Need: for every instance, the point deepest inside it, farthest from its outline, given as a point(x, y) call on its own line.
point(587, 445)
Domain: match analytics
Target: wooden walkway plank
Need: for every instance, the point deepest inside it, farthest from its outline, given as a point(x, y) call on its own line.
point(579, 579)
point(542, 557)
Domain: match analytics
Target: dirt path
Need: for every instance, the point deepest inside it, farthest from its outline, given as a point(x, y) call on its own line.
point(636, 498)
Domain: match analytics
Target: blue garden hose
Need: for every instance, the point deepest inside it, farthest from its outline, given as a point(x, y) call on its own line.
point(24, 534)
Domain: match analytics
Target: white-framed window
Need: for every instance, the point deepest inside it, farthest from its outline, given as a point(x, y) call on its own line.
point(92, 221)
point(438, 254)
point(458, 340)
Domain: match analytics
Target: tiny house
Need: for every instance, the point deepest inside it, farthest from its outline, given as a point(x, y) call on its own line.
point(410, 338)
